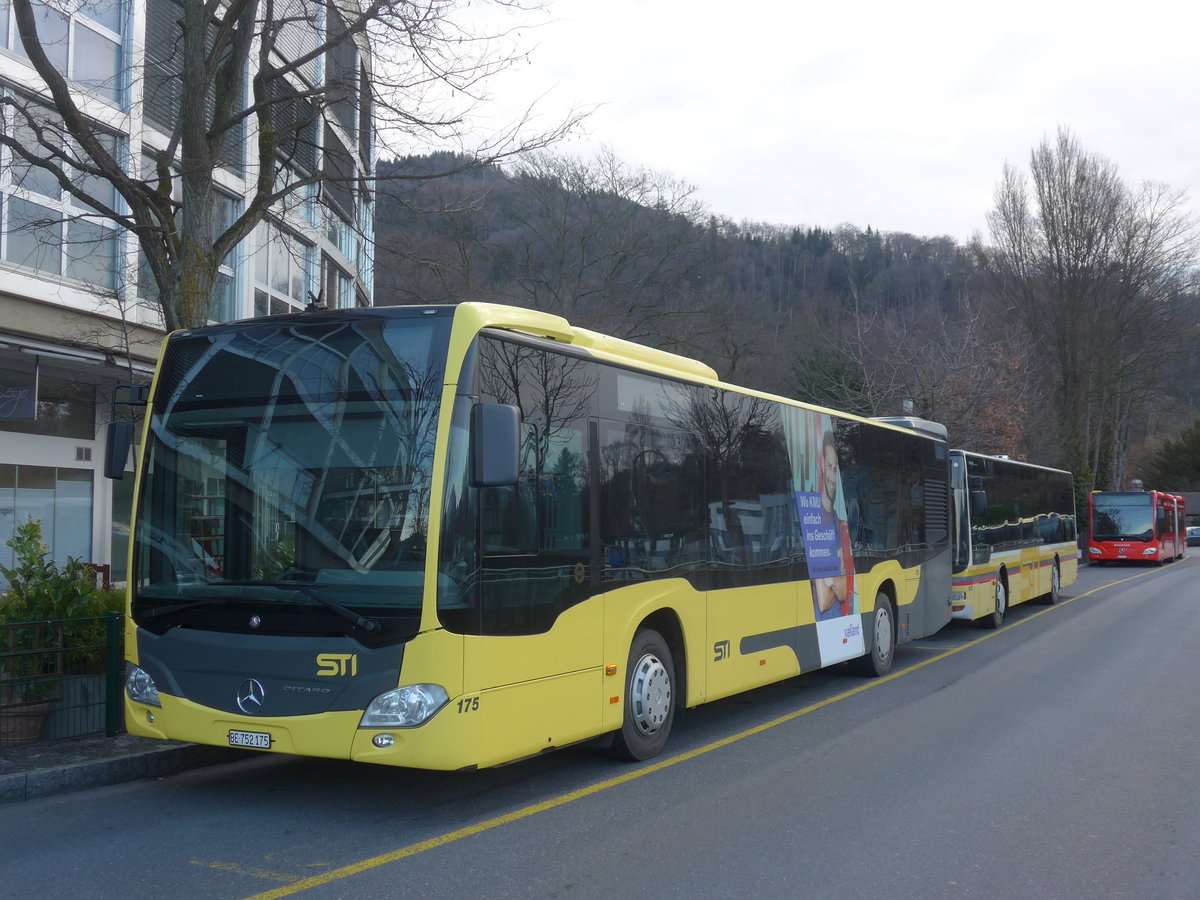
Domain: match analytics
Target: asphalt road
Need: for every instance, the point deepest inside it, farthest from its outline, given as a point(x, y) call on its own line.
point(1051, 759)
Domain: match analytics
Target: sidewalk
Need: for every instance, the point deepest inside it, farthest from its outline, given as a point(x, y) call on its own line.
point(43, 769)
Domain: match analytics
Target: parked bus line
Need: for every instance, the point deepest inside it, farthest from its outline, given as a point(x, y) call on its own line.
point(455, 536)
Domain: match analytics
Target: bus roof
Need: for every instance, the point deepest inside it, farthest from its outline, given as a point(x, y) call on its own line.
point(1008, 459)
point(548, 325)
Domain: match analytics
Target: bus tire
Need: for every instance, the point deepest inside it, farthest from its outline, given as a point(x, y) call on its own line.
point(1051, 596)
point(649, 698)
point(996, 617)
point(878, 661)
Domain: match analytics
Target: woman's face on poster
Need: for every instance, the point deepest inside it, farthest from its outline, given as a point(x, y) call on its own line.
point(829, 476)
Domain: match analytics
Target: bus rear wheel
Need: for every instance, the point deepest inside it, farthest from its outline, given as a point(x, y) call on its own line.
point(878, 661)
point(649, 698)
point(996, 617)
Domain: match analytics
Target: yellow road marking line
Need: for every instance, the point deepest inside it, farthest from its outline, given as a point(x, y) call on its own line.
point(245, 870)
point(563, 799)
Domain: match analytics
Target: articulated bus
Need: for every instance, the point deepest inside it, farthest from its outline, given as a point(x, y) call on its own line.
point(1014, 535)
point(455, 536)
point(1146, 526)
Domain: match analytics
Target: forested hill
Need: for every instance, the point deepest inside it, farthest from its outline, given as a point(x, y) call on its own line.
point(850, 317)
point(634, 253)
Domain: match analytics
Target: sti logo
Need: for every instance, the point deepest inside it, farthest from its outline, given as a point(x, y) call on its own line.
point(335, 664)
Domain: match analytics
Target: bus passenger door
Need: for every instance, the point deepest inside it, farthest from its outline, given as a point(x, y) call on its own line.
point(537, 660)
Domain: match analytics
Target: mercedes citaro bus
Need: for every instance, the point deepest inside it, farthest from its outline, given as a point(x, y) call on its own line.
point(455, 536)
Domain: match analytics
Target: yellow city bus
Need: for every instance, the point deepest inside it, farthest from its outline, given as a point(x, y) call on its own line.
point(1014, 537)
point(454, 536)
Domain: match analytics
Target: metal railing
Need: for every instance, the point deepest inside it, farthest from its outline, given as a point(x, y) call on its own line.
point(60, 679)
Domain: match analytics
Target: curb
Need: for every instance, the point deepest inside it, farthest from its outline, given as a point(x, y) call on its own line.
point(155, 763)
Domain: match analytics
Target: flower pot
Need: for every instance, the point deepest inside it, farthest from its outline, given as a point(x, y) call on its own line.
point(21, 723)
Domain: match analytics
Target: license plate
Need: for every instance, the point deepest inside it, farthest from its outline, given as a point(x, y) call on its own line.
point(257, 739)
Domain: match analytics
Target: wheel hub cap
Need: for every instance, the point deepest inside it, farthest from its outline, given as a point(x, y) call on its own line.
point(649, 694)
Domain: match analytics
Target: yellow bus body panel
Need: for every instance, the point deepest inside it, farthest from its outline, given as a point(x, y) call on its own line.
point(537, 691)
point(519, 720)
point(734, 613)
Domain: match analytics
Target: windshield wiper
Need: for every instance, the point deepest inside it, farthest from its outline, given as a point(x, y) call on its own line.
point(366, 623)
point(156, 611)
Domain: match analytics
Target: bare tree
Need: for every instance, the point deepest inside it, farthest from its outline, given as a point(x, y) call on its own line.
point(303, 81)
point(602, 243)
point(1095, 271)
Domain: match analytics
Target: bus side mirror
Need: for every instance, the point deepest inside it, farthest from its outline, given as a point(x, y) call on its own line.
point(978, 505)
point(116, 451)
point(495, 444)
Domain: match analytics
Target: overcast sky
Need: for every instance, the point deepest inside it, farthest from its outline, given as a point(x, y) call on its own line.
point(895, 115)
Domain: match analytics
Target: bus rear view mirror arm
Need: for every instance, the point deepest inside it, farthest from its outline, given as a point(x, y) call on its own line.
point(495, 444)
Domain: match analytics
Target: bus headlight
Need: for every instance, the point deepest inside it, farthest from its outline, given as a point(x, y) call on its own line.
point(140, 686)
point(1150, 551)
point(1094, 550)
point(405, 707)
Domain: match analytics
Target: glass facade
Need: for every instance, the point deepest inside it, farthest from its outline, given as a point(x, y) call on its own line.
point(59, 498)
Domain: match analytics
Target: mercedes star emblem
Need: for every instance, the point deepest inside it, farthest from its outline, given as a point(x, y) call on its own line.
point(250, 696)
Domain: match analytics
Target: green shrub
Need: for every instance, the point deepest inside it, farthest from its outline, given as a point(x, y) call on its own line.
point(41, 591)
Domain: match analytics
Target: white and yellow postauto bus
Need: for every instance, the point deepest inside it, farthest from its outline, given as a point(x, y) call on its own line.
point(454, 536)
point(1014, 536)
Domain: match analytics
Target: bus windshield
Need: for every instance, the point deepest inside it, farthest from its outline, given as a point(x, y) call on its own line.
point(289, 466)
point(1117, 518)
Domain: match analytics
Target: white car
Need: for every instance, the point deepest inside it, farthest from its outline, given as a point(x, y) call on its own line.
point(1193, 535)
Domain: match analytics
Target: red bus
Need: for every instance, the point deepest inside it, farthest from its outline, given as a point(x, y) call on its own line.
point(1136, 525)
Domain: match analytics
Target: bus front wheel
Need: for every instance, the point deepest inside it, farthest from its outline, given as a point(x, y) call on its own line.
point(878, 662)
point(996, 617)
point(649, 698)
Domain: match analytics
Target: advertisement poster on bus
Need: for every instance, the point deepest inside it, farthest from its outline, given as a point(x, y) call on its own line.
point(821, 506)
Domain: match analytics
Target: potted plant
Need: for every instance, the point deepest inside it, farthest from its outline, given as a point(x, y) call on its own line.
point(36, 628)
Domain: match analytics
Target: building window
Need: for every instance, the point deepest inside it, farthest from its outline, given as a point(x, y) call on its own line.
point(282, 271)
point(88, 41)
point(162, 87)
point(299, 25)
point(60, 499)
point(339, 286)
point(44, 226)
point(223, 306)
point(32, 236)
point(65, 407)
point(341, 71)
